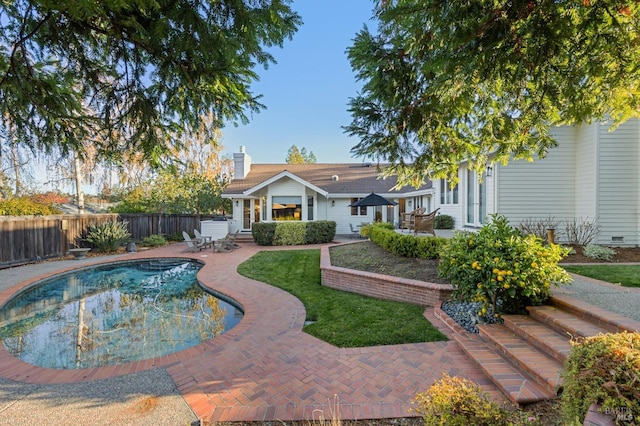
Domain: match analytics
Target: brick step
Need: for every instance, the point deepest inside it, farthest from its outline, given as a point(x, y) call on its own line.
point(542, 368)
point(515, 385)
point(244, 238)
point(538, 335)
point(606, 319)
point(564, 322)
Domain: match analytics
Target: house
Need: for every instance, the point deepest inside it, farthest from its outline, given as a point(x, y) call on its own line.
point(307, 192)
point(593, 174)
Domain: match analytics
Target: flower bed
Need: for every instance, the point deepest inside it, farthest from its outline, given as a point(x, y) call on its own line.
point(382, 286)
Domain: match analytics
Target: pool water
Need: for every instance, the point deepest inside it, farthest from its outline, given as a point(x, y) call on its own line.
point(113, 314)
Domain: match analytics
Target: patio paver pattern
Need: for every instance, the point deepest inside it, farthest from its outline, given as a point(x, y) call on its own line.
point(266, 368)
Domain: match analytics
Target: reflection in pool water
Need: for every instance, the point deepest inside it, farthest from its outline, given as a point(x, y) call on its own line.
point(113, 314)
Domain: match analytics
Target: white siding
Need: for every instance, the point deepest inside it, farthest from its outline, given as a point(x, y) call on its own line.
point(586, 155)
point(340, 212)
point(618, 183)
point(323, 207)
point(453, 210)
point(542, 188)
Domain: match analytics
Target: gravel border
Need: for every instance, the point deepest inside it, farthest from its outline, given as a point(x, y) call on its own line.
point(624, 301)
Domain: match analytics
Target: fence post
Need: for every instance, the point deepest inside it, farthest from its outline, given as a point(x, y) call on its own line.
point(64, 225)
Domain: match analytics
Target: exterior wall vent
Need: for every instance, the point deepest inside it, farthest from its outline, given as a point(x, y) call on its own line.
point(335, 178)
point(617, 239)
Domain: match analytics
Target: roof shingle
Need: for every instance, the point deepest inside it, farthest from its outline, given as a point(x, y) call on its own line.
point(353, 178)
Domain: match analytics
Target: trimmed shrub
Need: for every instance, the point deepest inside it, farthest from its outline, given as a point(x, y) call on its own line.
point(443, 221)
point(293, 233)
point(154, 241)
point(263, 233)
point(595, 251)
point(459, 402)
point(501, 268)
point(290, 234)
point(108, 236)
point(365, 230)
point(603, 369)
point(405, 245)
point(320, 231)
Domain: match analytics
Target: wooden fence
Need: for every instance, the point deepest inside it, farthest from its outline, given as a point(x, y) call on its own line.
point(29, 238)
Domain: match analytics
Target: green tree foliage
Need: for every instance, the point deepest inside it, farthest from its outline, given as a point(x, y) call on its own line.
point(300, 156)
point(294, 156)
point(309, 158)
point(184, 193)
point(128, 75)
point(446, 82)
point(25, 206)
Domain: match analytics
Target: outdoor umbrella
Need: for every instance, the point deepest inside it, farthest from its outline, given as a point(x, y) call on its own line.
point(373, 200)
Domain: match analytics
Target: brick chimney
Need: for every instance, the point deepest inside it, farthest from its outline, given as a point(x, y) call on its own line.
point(241, 164)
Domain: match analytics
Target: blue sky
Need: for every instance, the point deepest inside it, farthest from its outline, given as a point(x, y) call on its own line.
point(306, 93)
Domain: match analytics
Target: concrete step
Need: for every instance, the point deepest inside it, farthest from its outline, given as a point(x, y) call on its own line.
point(544, 338)
point(565, 322)
point(542, 368)
point(518, 387)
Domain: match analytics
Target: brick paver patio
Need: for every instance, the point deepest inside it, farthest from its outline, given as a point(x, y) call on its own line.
point(266, 368)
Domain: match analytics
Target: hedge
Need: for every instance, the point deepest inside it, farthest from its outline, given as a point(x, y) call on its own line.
point(443, 221)
point(424, 247)
point(293, 233)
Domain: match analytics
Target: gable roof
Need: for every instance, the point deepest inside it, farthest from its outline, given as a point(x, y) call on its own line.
point(353, 178)
point(279, 176)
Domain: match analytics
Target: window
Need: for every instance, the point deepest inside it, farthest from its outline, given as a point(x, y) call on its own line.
point(286, 208)
point(310, 207)
point(362, 211)
point(448, 195)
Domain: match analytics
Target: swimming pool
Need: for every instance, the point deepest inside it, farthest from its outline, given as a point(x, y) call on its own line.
point(113, 314)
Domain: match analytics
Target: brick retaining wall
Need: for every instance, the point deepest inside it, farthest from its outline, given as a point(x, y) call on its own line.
point(381, 286)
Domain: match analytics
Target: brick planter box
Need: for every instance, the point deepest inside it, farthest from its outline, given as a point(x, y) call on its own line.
point(381, 286)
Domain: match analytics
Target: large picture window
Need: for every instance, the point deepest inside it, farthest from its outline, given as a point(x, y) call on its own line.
point(286, 208)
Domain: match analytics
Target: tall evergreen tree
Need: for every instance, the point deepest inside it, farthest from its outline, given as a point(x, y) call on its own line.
point(294, 156)
point(134, 72)
point(446, 82)
point(300, 156)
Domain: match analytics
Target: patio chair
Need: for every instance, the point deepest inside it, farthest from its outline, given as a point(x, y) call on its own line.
point(228, 242)
point(221, 246)
point(408, 219)
point(354, 231)
point(425, 222)
point(231, 238)
point(204, 241)
point(192, 245)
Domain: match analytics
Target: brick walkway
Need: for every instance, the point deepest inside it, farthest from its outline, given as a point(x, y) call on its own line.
point(266, 368)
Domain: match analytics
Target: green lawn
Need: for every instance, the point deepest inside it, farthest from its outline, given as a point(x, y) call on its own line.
point(342, 319)
point(626, 275)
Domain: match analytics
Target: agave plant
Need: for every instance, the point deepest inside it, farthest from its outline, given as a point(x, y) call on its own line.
point(108, 236)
